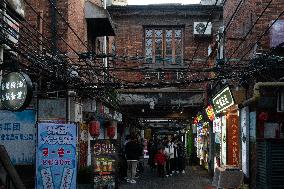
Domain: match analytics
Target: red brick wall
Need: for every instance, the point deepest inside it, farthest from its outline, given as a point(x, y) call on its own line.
point(130, 33)
point(244, 20)
point(72, 11)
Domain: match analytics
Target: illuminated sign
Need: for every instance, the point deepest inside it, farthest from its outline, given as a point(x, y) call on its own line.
point(223, 100)
point(16, 91)
point(210, 112)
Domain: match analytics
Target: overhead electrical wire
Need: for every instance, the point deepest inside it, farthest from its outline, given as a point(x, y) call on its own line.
point(261, 36)
point(250, 30)
point(209, 19)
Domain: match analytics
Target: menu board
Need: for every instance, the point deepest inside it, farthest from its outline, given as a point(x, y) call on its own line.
point(104, 158)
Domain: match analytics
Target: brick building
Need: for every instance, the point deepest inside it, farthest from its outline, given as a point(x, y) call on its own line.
point(159, 46)
point(251, 53)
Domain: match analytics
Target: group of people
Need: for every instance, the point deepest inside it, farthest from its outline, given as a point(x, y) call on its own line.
point(167, 156)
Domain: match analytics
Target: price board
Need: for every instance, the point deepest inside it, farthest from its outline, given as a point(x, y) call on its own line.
point(223, 100)
point(104, 161)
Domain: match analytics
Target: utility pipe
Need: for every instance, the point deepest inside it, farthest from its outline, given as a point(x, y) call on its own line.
point(256, 91)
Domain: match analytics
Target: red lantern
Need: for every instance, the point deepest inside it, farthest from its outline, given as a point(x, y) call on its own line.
point(111, 131)
point(111, 127)
point(94, 128)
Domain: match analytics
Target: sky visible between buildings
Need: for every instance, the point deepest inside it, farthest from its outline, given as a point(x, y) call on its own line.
point(146, 2)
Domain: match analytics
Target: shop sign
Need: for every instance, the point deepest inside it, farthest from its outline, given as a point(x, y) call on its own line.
point(245, 140)
point(252, 126)
point(16, 91)
point(223, 141)
point(223, 100)
point(233, 145)
point(13, 30)
point(103, 154)
point(18, 135)
point(210, 113)
point(52, 110)
point(217, 125)
point(56, 163)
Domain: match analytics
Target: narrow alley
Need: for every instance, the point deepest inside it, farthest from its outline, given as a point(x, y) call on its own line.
point(141, 94)
point(195, 177)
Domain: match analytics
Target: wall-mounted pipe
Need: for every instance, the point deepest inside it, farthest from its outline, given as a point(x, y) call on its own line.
point(256, 91)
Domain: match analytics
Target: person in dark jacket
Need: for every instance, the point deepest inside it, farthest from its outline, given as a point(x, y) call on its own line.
point(133, 152)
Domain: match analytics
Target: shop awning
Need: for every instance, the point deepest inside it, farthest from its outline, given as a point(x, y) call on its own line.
point(98, 20)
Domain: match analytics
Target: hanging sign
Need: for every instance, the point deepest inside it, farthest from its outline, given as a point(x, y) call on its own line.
point(217, 125)
point(16, 91)
point(233, 143)
point(223, 100)
point(56, 165)
point(210, 112)
point(245, 140)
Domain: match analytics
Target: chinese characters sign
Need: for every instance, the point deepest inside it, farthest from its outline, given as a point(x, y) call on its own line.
point(245, 140)
point(17, 134)
point(223, 100)
point(56, 156)
point(16, 91)
point(233, 145)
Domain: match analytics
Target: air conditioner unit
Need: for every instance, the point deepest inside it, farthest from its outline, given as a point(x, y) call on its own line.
point(280, 101)
point(201, 29)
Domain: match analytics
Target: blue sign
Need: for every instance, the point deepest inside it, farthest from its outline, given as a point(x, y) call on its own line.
point(56, 156)
point(18, 135)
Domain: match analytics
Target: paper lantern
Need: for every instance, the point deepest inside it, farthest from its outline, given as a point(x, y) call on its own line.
point(94, 128)
point(111, 131)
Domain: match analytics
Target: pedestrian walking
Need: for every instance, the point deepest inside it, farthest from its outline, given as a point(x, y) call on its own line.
point(133, 152)
point(160, 161)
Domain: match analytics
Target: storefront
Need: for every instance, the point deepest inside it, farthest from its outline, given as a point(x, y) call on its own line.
point(226, 126)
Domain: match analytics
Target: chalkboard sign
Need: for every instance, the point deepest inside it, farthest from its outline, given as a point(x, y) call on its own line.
point(104, 162)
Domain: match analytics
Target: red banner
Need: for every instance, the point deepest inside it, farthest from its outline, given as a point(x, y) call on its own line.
point(233, 142)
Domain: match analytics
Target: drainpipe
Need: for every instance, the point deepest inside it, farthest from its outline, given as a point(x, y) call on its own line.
point(256, 91)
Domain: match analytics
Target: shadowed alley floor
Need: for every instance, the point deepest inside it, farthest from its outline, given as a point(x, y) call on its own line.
point(195, 178)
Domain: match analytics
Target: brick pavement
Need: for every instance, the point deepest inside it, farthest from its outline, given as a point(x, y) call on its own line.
point(195, 178)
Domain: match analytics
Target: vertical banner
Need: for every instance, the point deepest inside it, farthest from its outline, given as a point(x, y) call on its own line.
point(245, 140)
point(252, 126)
point(223, 141)
point(233, 143)
point(83, 145)
point(18, 135)
point(56, 156)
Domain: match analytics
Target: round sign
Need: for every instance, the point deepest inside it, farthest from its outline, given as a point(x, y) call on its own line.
point(16, 91)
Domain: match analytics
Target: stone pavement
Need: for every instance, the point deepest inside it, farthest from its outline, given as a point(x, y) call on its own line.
point(195, 178)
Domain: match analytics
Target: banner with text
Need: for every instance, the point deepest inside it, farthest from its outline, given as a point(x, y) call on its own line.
point(56, 156)
point(18, 135)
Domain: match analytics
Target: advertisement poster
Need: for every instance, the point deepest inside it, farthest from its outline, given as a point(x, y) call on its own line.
point(223, 141)
point(245, 140)
point(104, 156)
point(56, 156)
point(18, 135)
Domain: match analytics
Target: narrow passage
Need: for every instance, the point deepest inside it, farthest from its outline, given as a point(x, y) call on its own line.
point(194, 178)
